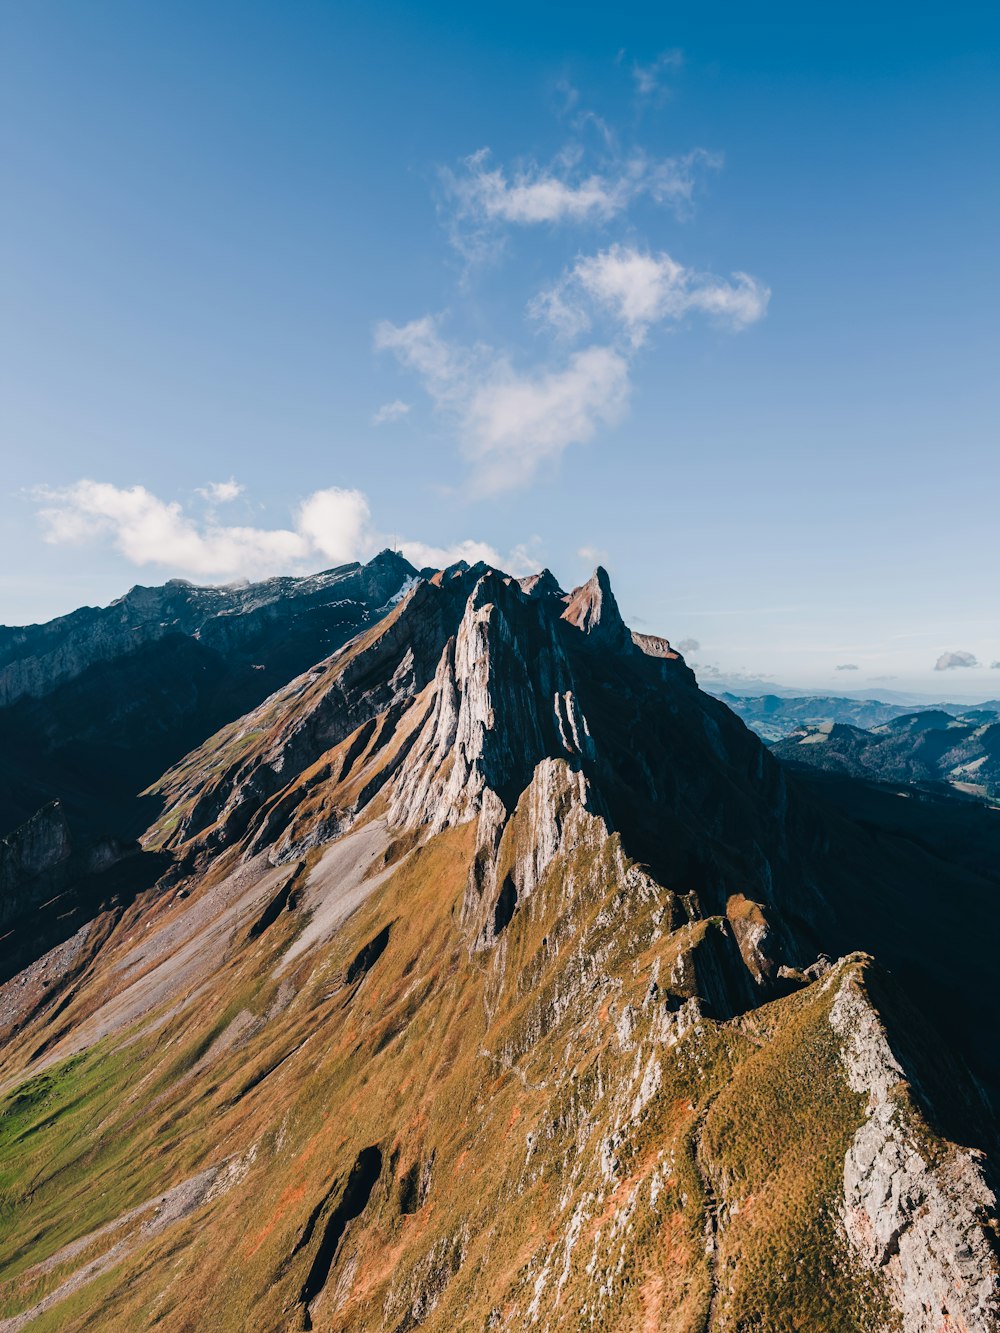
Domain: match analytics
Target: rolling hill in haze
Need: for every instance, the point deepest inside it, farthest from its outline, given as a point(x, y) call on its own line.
point(930, 747)
point(775, 717)
point(468, 967)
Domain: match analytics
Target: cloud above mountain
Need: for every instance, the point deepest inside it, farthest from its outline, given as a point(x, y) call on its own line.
point(510, 422)
point(329, 527)
point(513, 422)
point(949, 661)
point(516, 402)
point(568, 190)
point(636, 290)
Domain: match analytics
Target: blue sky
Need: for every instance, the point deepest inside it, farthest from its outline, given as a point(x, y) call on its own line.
point(706, 292)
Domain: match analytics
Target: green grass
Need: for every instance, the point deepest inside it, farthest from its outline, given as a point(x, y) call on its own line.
point(776, 1138)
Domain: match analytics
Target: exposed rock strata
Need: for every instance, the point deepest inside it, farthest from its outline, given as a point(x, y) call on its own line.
point(928, 1223)
point(546, 984)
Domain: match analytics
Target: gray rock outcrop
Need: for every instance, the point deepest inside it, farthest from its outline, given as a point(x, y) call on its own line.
point(928, 1226)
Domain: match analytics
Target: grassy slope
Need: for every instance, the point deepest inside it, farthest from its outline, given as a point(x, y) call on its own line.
point(510, 1066)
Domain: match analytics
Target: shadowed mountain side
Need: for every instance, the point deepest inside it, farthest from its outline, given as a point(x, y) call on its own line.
point(931, 748)
point(99, 703)
point(487, 988)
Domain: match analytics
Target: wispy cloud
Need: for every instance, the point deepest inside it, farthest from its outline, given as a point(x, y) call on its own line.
point(220, 492)
point(649, 78)
point(514, 414)
point(639, 289)
point(519, 561)
point(391, 412)
point(331, 526)
point(482, 199)
point(688, 646)
point(594, 555)
point(847, 666)
point(511, 423)
point(949, 661)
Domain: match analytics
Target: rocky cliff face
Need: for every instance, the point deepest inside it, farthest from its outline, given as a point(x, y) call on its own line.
point(127, 689)
point(483, 989)
point(39, 859)
point(916, 1210)
point(35, 659)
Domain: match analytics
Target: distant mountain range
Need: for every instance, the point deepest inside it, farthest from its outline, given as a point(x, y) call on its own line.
point(472, 969)
point(933, 746)
point(774, 717)
point(745, 687)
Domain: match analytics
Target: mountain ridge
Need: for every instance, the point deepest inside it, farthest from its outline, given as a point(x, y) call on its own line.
point(491, 979)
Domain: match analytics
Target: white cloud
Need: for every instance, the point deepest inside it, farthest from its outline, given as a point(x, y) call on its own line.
point(391, 412)
point(486, 197)
point(330, 527)
point(516, 422)
point(445, 369)
point(149, 531)
point(594, 555)
point(847, 666)
point(648, 78)
point(688, 646)
point(510, 422)
point(638, 289)
point(949, 661)
point(535, 194)
point(337, 523)
point(221, 492)
point(422, 556)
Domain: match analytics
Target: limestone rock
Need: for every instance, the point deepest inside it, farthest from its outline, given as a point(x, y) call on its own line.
point(928, 1225)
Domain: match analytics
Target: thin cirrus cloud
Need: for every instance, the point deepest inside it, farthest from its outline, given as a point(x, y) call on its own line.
point(950, 661)
point(594, 555)
point(649, 78)
point(389, 412)
point(330, 527)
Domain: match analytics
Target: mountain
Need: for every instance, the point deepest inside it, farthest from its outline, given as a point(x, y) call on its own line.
point(962, 751)
point(489, 974)
point(774, 717)
point(127, 689)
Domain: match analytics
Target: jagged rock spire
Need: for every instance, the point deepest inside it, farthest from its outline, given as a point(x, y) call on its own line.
point(592, 608)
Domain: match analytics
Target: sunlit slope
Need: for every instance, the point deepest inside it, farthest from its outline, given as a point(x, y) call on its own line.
point(482, 991)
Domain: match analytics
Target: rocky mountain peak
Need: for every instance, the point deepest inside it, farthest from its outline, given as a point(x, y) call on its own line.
point(486, 976)
point(502, 701)
point(593, 609)
point(542, 584)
